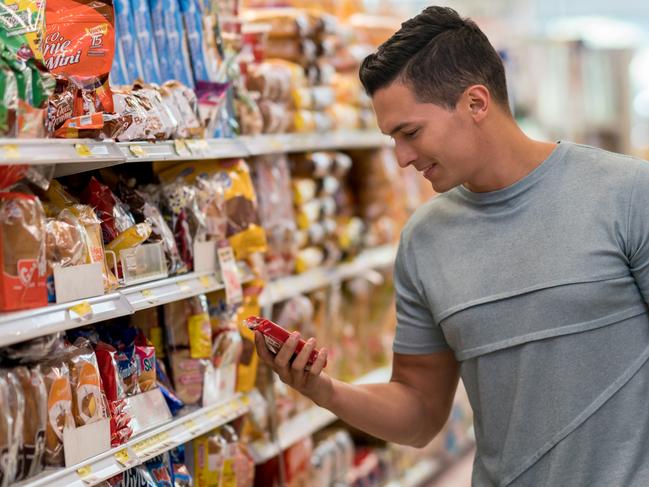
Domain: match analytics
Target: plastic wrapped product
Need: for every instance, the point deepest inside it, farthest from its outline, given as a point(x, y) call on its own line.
point(156, 8)
point(33, 387)
point(145, 41)
point(63, 247)
point(192, 16)
point(188, 324)
point(146, 361)
point(177, 43)
point(59, 410)
point(188, 376)
point(152, 97)
point(22, 252)
point(16, 400)
point(250, 119)
point(183, 103)
point(160, 469)
point(138, 476)
point(113, 214)
point(6, 432)
point(87, 396)
point(79, 45)
point(127, 52)
point(8, 102)
point(180, 473)
point(210, 194)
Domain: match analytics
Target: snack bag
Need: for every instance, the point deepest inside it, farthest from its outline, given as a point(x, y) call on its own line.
point(114, 216)
point(33, 386)
point(22, 252)
point(8, 102)
point(188, 376)
point(87, 397)
point(146, 364)
point(177, 43)
point(188, 325)
point(156, 8)
point(160, 469)
point(192, 15)
point(129, 62)
point(79, 44)
point(59, 410)
point(179, 472)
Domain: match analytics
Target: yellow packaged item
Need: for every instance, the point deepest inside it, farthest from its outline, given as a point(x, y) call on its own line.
point(58, 198)
point(132, 237)
point(249, 360)
point(199, 328)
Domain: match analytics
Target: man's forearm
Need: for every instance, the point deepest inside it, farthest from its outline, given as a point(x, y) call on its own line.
point(393, 412)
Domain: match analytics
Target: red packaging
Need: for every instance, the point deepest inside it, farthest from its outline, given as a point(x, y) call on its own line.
point(275, 336)
point(22, 252)
point(79, 45)
point(114, 217)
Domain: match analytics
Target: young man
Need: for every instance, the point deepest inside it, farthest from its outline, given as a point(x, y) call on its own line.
point(527, 277)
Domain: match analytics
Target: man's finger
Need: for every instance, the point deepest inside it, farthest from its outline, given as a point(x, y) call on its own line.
point(303, 357)
point(262, 349)
point(286, 352)
point(319, 363)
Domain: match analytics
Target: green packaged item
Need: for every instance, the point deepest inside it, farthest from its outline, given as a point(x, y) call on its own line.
point(8, 102)
point(22, 73)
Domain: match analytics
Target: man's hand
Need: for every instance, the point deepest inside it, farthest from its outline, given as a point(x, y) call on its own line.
point(312, 382)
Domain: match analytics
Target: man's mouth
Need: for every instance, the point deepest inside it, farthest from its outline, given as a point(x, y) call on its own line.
point(429, 170)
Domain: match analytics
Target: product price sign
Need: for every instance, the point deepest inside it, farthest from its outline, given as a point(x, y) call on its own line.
point(230, 273)
point(81, 311)
point(181, 148)
point(149, 296)
point(85, 474)
point(184, 286)
point(83, 150)
point(205, 281)
point(137, 150)
point(124, 457)
point(10, 151)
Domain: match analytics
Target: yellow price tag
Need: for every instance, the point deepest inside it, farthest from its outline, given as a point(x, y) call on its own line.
point(123, 457)
point(11, 151)
point(184, 287)
point(137, 150)
point(151, 444)
point(191, 425)
point(205, 281)
point(181, 147)
point(82, 310)
point(84, 471)
point(149, 296)
point(83, 150)
point(276, 144)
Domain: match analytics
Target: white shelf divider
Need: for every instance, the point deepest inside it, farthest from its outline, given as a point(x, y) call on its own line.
point(143, 447)
point(307, 423)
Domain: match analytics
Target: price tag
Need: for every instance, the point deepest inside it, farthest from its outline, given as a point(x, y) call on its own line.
point(137, 150)
point(124, 457)
point(83, 150)
point(153, 444)
point(276, 145)
point(10, 151)
point(205, 281)
point(184, 286)
point(191, 425)
point(85, 474)
point(149, 296)
point(82, 310)
point(230, 274)
point(181, 148)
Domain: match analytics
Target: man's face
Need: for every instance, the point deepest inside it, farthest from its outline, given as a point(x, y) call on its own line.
point(438, 142)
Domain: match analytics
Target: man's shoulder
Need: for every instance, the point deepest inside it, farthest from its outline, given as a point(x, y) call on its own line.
point(428, 214)
point(612, 167)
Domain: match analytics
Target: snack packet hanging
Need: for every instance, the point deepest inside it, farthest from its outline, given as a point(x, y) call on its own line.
point(129, 62)
point(193, 17)
point(79, 45)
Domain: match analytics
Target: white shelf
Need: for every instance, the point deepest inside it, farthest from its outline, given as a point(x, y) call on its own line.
point(143, 447)
point(307, 423)
point(78, 155)
point(288, 287)
point(420, 473)
point(24, 325)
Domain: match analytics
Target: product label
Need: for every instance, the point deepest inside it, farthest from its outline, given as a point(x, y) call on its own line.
point(59, 404)
point(88, 393)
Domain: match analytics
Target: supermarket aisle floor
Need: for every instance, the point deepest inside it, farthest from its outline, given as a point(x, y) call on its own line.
point(459, 475)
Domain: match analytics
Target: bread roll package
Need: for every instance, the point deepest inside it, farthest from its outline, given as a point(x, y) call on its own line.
point(22, 252)
point(87, 397)
point(35, 423)
point(59, 410)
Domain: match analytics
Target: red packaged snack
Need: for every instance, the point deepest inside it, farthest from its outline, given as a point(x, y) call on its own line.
point(114, 217)
point(275, 336)
point(22, 252)
point(79, 45)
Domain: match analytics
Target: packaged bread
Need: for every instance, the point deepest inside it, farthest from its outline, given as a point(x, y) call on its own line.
point(93, 241)
point(22, 252)
point(33, 387)
point(187, 324)
point(63, 247)
point(6, 431)
point(16, 403)
point(85, 382)
point(59, 410)
point(188, 376)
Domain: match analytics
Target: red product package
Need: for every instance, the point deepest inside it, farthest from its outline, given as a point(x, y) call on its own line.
point(114, 217)
point(79, 44)
point(275, 336)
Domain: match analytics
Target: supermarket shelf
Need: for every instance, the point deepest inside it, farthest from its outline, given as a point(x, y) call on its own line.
point(143, 447)
point(288, 287)
point(24, 325)
point(78, 155)
point(422, 472)
point(307, 423)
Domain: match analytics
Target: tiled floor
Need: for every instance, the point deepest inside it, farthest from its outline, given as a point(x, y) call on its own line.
point(459, 475)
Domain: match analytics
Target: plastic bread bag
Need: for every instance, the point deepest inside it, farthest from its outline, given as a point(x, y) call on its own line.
point(210, 197)
point(16, 403)
point(58, 196)
point(188, 376)
point(145, 211)
point(79, 44)
point(129, 123)
point(39, 176)
point(93, 240)
point(151, 95)
point(251, 121)
point(187, 324)
point(64, 247)
point(87, 397)
point(22, 252)
point(6, 432)
point(112, 213)
point(59, 410)
point(35, 394)
point(183, 104)
point(277, 119)
point(123, 337)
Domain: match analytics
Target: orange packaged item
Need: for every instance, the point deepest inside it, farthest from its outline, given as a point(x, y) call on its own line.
point(59, 410)
point(87, 397)
point(22, 252)
point(79, 45)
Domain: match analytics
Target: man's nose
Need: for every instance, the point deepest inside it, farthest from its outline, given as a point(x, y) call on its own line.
point(405, 154)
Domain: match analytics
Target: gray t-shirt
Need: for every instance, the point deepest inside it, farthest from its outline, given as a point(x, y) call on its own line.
point(540, 290)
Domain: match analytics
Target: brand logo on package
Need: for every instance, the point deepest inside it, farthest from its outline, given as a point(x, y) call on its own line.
point(27, 272)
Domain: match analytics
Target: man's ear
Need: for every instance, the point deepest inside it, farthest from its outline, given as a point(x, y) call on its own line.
point(477, 100)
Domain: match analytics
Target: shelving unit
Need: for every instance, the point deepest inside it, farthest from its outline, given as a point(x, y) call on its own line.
point(143, 447)
point(78, 155)
point(423, 471)
point(307, 423)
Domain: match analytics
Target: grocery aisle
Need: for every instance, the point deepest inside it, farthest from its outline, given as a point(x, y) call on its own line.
point(457, 475)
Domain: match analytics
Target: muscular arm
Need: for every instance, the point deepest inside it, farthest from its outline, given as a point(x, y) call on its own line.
point(411, 409)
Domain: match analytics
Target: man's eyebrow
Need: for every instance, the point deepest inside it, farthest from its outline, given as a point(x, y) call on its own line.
point(399, 127)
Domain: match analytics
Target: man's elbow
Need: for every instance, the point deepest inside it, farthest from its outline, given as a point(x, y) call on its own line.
point(424, 436)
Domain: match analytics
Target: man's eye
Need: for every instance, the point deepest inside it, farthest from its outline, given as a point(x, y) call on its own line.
point(411, 134)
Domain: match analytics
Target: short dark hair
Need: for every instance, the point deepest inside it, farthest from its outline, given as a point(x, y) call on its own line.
point(438, 54)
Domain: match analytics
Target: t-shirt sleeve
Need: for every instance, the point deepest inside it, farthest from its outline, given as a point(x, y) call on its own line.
point(637, 241)
point(417, 333)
